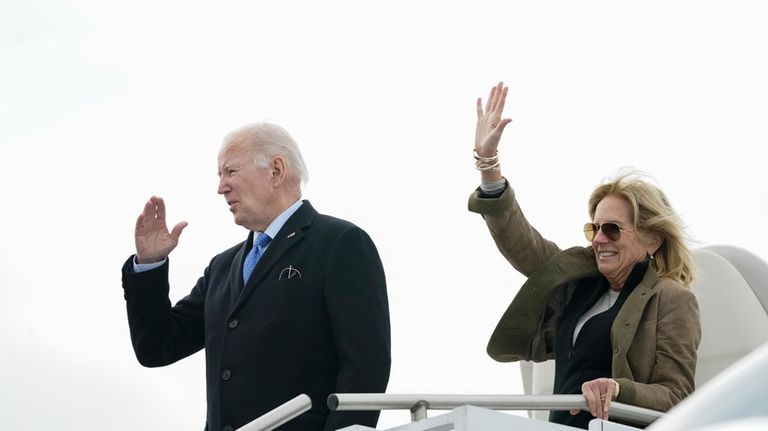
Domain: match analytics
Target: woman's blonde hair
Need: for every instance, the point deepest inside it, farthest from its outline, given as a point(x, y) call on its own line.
point(652, 214)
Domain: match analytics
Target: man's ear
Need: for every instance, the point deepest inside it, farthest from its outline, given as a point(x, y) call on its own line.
point(278, 170)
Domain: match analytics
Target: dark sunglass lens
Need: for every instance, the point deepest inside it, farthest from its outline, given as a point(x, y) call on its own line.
point(611, 230)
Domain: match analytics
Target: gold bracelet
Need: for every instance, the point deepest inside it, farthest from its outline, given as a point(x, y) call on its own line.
point(487, 159)
point(486, 163)
point(488, 166)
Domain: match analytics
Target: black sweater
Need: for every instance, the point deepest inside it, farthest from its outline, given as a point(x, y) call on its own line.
point(590, 356)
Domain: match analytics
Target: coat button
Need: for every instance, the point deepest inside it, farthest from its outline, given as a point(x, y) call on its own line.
point(227, 428)
point(233, 324)
point(226, 375)
point(616, 350)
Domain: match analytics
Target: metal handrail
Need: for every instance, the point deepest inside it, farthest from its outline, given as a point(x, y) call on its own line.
point(419, 403)
point(279, 415)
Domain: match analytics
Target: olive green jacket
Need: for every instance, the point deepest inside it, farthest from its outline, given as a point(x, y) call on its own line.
point(654, 336)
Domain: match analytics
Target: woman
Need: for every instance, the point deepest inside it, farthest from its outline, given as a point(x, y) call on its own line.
point(617, 316)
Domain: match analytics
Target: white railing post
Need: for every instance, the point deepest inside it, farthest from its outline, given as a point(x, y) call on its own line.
point(419, 411)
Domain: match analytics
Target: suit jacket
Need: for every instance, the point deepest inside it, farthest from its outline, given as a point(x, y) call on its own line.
point(325, 331)
point(654, 336)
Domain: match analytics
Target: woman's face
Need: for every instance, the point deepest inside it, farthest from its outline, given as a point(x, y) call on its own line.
point(615, 259)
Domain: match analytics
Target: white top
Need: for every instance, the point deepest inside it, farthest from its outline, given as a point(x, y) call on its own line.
point(603, 304)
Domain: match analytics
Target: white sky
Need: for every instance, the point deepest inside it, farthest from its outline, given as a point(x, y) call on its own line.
point(104, 103)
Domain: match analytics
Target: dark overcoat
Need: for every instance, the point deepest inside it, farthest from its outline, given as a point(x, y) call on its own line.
point(313, 318)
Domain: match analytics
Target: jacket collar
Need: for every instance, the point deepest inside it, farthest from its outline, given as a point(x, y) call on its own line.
point(287, 237)
point(524, 316)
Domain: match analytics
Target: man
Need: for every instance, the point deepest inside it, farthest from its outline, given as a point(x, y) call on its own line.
point(311, 318)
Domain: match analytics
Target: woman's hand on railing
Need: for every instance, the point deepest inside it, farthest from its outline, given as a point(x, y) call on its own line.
point(599, 393)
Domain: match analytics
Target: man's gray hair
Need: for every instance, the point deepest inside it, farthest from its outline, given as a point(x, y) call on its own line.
point(268, 140)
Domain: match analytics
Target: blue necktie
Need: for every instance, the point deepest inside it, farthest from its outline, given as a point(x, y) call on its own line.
point(254, 255)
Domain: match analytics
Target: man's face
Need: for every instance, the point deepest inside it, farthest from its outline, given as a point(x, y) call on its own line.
point(248, 188)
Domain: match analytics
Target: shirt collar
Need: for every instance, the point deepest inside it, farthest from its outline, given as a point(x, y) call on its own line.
point(280, 220)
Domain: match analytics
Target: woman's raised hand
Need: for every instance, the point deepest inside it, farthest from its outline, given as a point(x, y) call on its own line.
point(490, 125)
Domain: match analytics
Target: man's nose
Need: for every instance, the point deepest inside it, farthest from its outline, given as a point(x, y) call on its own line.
point(223, 186)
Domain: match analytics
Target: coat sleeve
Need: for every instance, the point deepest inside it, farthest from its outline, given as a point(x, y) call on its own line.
point(519, 242)
point(527, 326)
point(356, 297)
point(161, 334)
point(678, 334)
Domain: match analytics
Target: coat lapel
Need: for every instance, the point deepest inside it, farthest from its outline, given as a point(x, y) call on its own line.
point(290, 235)
point(236, 270)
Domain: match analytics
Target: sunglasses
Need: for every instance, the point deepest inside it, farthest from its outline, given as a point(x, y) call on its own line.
point(612, 231)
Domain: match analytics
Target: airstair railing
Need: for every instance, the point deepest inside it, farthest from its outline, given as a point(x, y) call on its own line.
point(279, 415)
point(418, 404)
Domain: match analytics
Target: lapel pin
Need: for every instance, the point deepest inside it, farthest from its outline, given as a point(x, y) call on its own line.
point(291, 234)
